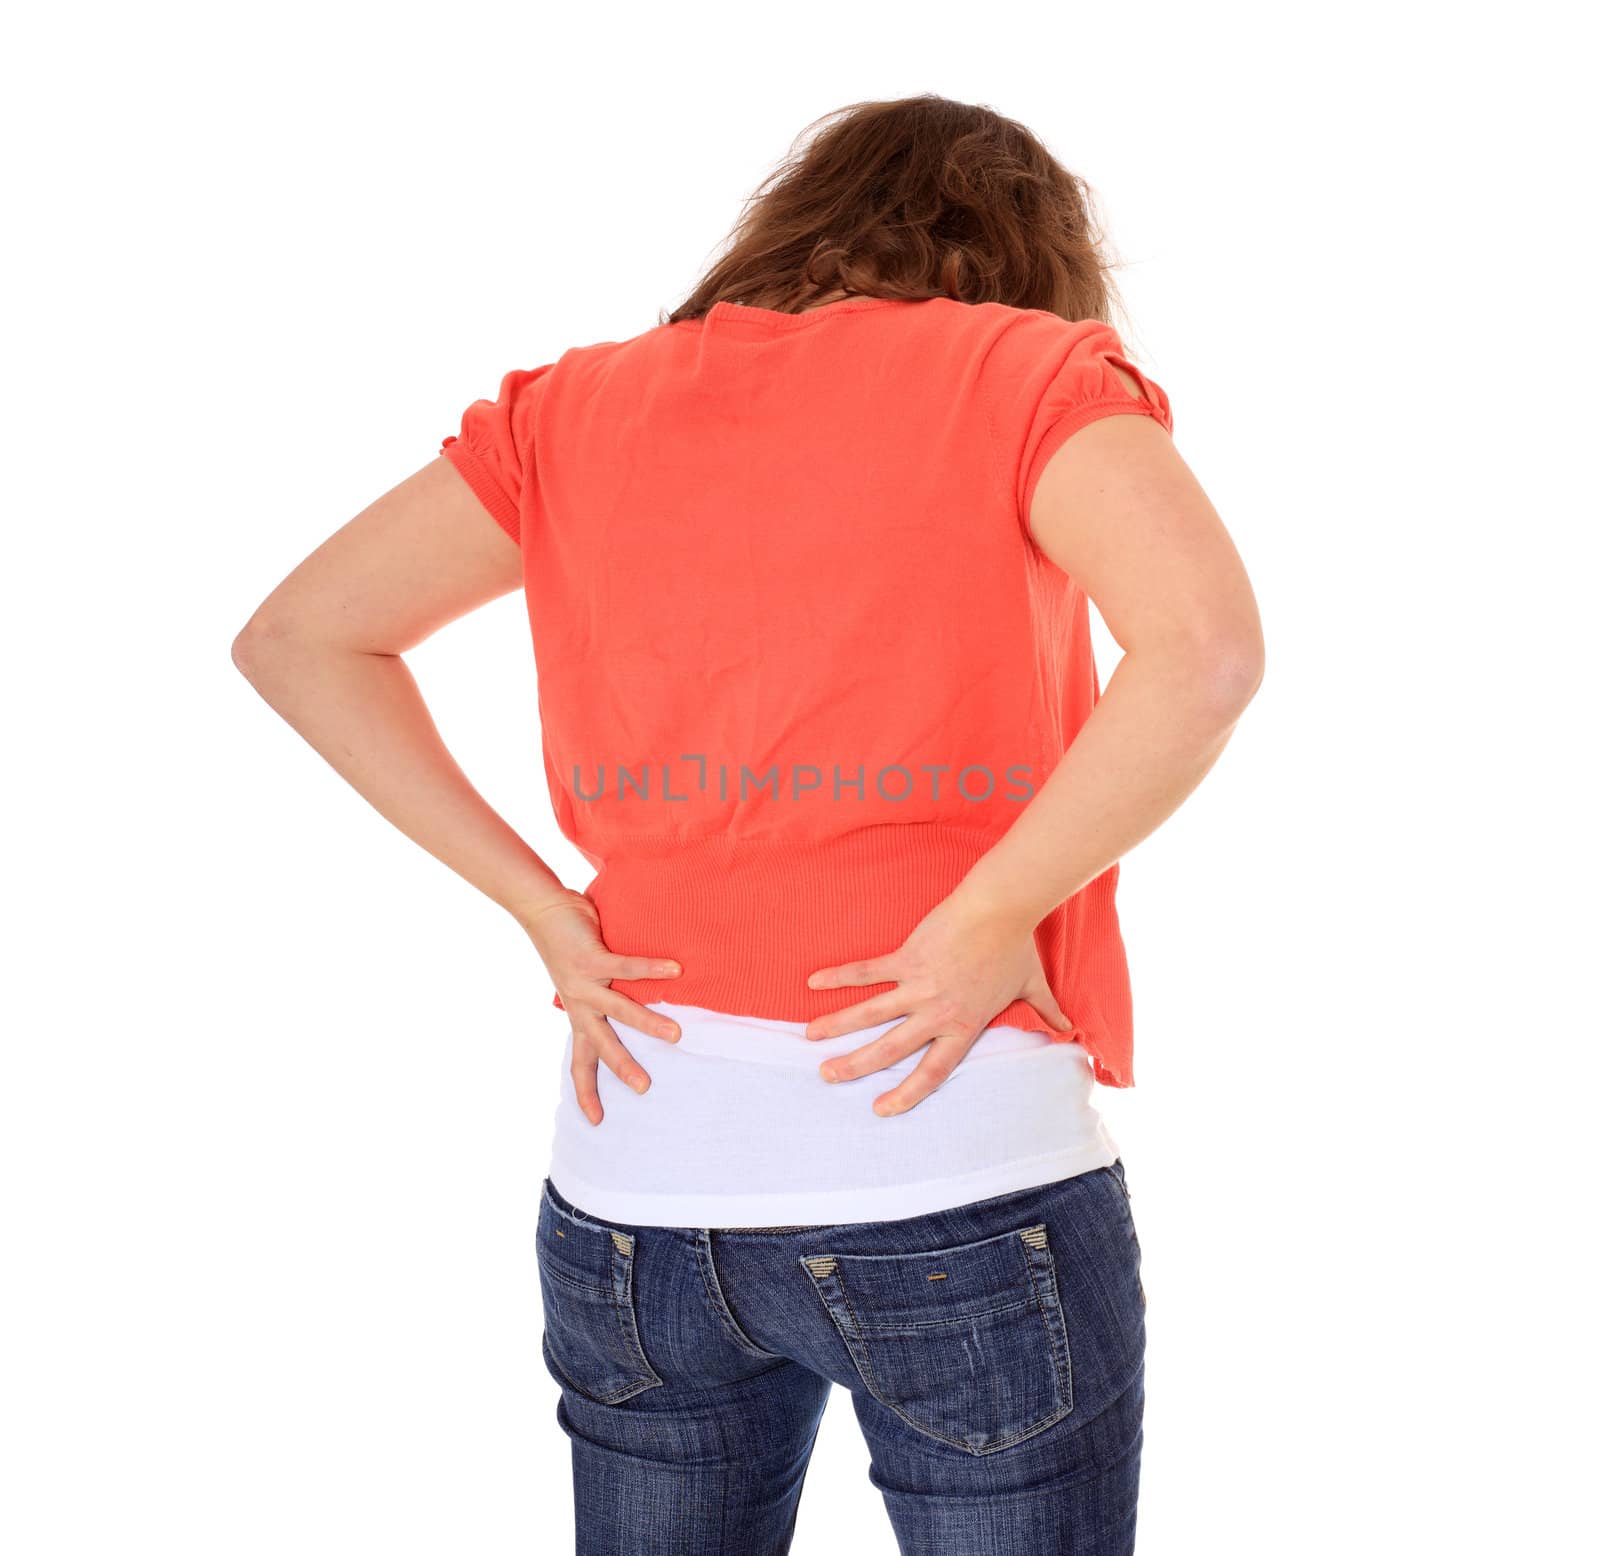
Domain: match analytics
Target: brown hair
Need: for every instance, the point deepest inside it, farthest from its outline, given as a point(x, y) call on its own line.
point(918, 197)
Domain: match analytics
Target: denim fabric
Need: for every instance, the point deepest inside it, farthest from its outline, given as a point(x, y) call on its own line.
point(994, 1354)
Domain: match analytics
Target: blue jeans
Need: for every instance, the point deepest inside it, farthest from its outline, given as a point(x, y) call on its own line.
point(994, 1354)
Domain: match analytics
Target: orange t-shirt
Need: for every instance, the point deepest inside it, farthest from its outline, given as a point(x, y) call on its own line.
point(800, 661)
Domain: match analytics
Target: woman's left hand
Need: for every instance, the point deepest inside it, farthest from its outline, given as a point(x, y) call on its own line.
point(956, 970)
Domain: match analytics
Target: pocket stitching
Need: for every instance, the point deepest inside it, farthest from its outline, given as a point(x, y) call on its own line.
point(856, 1343)
point(614, 1398)
point(622, 1301)
point(912, 1328)
point(550, 1272)
point(1041, 1263)
point(860, 1352)
point(621, 1304)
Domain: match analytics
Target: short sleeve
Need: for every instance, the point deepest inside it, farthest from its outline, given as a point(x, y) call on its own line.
point(1059, 375)
point(494, 449)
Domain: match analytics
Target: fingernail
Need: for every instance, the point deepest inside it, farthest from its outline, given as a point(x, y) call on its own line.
point(670, 969)
point(640, 1082)
point(829, 1075)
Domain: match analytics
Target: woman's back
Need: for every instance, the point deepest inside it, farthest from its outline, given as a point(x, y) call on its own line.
point(799, 660)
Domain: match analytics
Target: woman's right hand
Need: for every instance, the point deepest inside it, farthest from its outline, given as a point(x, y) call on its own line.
point(566, 934)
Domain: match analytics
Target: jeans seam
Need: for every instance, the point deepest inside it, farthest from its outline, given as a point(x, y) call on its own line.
point(1127, 1208)
point(719, 1303)
point(1122, 1183)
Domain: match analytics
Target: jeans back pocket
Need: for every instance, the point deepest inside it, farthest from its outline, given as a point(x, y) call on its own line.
point(968, 1345)
point(591, 1334)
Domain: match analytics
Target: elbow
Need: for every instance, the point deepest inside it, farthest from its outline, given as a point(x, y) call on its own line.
point(257, 646)
point(1228, 671)
point(244, 652)
point(249, 650)
point(1216, 670)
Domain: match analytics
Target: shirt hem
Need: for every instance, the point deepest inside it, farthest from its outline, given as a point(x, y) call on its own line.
point(816, 902)
point(495, 499)
point(1074, 420)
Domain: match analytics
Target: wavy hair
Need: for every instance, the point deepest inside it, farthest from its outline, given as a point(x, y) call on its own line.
point(912, 198)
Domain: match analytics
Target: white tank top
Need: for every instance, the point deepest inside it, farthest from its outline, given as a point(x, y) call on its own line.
point(739, 1130)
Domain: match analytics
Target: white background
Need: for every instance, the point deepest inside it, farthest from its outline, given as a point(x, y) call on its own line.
point(277, 1087)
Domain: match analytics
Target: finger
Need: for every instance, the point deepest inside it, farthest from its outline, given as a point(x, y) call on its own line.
point(1037, 993)
point(865, 1013)
point(620, 1008)
point(613, 1054)
point(944, 1054)
point(585, 1069)
point(881, 1052)
point(617, 966)
point(850, 974)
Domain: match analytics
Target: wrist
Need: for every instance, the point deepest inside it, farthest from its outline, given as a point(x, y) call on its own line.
point(979, 901)
point(530, 910)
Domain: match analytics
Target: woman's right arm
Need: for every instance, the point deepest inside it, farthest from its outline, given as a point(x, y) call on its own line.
point(1118, 509)
point(324, 650)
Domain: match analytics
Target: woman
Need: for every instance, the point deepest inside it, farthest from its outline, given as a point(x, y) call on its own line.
point(807, 567)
